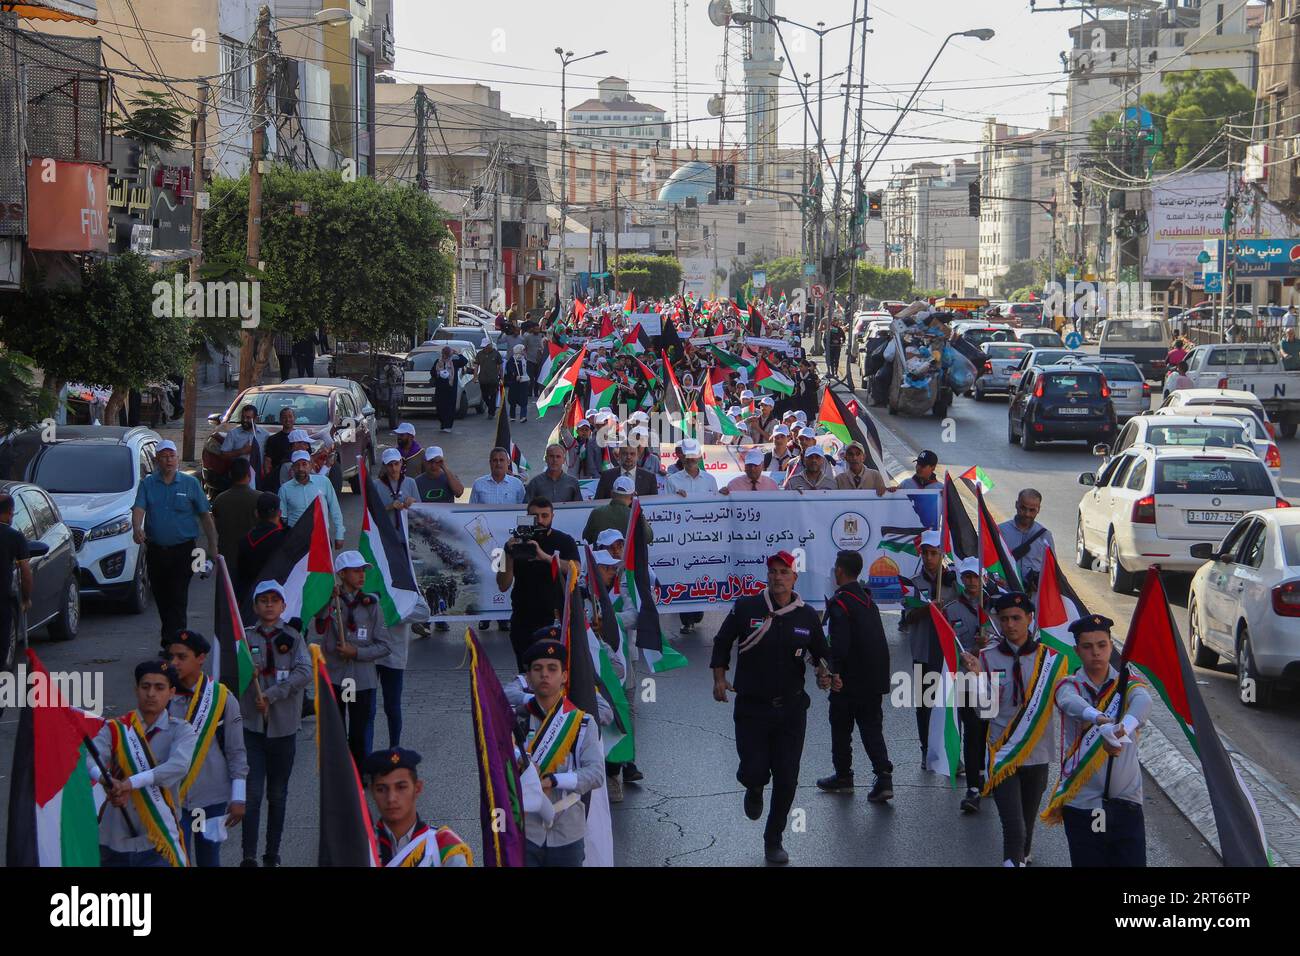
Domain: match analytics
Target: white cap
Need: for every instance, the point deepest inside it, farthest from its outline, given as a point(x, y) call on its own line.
point(406, 428)
point(266, 586)
point(391, 454)
point(605, 558)
point(931, 539)
point(298, 435)
point(639, 435)
point(969, 565)
point(801, 415)
point(780, 430)
point(812, 451)
point(789, 413)
point(639, 416)
point(803, 431)
point(608, 536)
point(349, 559)
point(299, 456)
point(485, 343)
point(582, 423)
point(165, 445)
point(691, 448)
point(754, 457)
point(733, 411)
point(746, 394)
point(768, 400)
point(623, 485)
point(432, 452)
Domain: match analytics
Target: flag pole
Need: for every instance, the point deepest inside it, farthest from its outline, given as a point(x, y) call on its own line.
point(103, 773)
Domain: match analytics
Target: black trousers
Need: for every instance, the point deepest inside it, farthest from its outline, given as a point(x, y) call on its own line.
point(975, 735)
point(833, 361)
point(170, 571)
point(1018, 798)
point(535, 387)
point(489, 390)
point(285, 361)
point(865, 710)
point(769, 741)
point(358, 717)
point(1120, 837)
point(922, 710)
point(517, 399)
point(445, 400)
point(270, 764)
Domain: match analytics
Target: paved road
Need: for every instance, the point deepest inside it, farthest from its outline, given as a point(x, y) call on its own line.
point(687, 811)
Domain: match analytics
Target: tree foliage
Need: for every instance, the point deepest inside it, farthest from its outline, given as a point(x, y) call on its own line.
point(1022, 273)
point(662, 275)
point(21, 403)
point(364, 261)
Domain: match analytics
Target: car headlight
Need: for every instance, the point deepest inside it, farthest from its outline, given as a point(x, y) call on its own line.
point(118, 525)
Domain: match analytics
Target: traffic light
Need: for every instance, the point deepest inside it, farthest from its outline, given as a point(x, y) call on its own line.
point(1076, 188)
point(875, 203)
point(725, 181)
point(973, 191)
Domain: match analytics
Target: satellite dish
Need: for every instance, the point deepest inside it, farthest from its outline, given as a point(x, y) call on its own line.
point(720, 12)
point(716, 103)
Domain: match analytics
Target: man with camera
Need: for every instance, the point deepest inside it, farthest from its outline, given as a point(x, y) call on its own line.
point(534, 599)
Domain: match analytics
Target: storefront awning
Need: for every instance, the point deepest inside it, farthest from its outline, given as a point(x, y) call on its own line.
point(83, 11)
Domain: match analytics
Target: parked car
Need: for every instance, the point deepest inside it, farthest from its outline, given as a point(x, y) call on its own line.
point(1142, 339)
point(1060, 403)
point(1255, 368)
point(1257, 438)
point(1187, 399)
point(1129, 391)
point(472, 315)
point(359, 397)
point(1040, 338)
point(1244, 603)
point(979, 332)
point(56, 600)
point(1151, 505)
point(1040, 357)
point(93, 473)
point(317, 408)
point(994, 376)
point(418, 392)
point(1183, 431)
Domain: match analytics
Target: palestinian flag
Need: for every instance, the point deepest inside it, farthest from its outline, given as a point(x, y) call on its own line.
point(579, 310)
point(233, 661)
point(636, 341)
point(562, 383)
point(391, 575)
point(501, 808)
point(914, 595)
point(1154, 648)
point(603, 392)
point(995, 556)
point(1058, 608)
point(648, 375)
point(943, 751)
point(674, 406)
point(755, 325)
point(304, 565)
point(844, 423)
point(767, 377)
point(959, 537)
point(555, 358)
point(581, 690)
point(518, 463)
point(630, 304)
point(346, 834)
point(650, 640)
point(53, 808)
point(730, 361)
point(717, 419)
point(975, 475)
point(565, 430)
point(606, 326)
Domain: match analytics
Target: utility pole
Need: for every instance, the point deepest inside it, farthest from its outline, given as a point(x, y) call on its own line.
point(616, 225)
point(498, 256)
point(248, 339)
point(421, 141)
point(199, 146)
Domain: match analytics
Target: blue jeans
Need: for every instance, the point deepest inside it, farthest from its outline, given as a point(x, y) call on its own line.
point(201, 850)
point(571, 854)
point(135, 858)
point(390, 682)
point(270, 763)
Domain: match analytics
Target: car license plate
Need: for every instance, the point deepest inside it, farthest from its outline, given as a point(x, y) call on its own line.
point(1073, 411)
point(1214, 517)
point(419, 398)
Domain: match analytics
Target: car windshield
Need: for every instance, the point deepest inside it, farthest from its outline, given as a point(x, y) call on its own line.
point(1134, 332)
point(308, 409)
point(1201, 476)
point(1000, 350)
point(1040, 338)
point(1024, 309)
point(68, 469)
point(1079, 385)
point(1049, 356)
point(1213, 436)
point(980, 336)
point(1118, 371)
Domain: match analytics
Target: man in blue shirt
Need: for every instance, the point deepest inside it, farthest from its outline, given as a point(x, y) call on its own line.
point(298, 494)
point(169, 507)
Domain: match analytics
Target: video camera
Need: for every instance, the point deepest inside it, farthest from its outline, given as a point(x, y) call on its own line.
point(527, 531)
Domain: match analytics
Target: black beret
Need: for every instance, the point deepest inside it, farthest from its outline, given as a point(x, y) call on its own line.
point(1009, 599)
point(386, 761)
point(551, 648)
point(155, 667)
point(191, 639)
point(1093, 622)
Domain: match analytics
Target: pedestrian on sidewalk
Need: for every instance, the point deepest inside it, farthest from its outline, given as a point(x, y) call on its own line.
point(283, 353)
point(518, 381)
point(488, 362)
point(446, 386)
point(234, 512)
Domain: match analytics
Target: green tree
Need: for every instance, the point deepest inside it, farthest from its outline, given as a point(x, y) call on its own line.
point(1022, 273)
point(1188, 116)
point(663, 275)
point(21, 403)
point(877, 282)
point(784, 274)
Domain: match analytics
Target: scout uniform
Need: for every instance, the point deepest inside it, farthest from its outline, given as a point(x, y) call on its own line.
point(422, 845)
point(1092, 782)
point(219, 769)
point(969, 624)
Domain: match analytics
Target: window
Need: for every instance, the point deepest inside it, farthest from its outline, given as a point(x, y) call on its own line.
point(740, 248)
point(1121, 471)
point(1208, 476)
point(740, 219)
point(1218, 21)
point(23, 520)
point(1252, 549)
point(235, 68)
point(1138, 476)
point(42, 511)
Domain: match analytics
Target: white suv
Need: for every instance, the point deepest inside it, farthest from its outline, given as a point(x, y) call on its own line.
point(1150, 505)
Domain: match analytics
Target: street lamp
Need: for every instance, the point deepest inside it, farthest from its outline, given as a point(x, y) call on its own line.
point(332, 15)
point(567, 57)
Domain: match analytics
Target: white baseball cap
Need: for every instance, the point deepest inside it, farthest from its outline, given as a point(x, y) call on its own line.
point(754, 457)
point(746, 394)
point(814, 452)
point(609, 536)
point(780, 430)
point(605, 558)
point(639, 434)
point(623, 485)
point(789, 413)
point(733, 411)
point(391, 454)
point(969, 565)
point(691, 448)
point(768, 400)
point(931, 539)
point(298, 435)
point(349, 559)
point(801, 415)
point(432, 452)
point(639, 416)
point(267, 586)
point(299, 456)
point(165, 445)
point(406, 428)
point(582, 424)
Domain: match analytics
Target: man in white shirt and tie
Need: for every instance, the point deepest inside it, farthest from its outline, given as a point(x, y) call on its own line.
point(753, 479)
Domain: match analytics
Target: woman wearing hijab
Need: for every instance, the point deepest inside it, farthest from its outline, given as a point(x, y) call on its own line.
point(518, 384)
point(446, 382)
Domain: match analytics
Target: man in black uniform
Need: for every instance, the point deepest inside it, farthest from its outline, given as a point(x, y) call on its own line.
point(533, 600)
point(834, 343)
point(776, 632)
point(860, 658)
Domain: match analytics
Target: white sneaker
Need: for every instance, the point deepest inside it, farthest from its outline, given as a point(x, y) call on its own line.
point(1010, 863)
point(615, 787)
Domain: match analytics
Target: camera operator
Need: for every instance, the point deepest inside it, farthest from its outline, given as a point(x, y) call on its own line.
point(534, 599)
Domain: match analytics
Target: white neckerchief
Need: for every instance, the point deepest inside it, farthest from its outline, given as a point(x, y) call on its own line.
point(752, 640)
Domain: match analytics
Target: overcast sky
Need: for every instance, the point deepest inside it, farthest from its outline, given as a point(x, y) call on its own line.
point(510, 44)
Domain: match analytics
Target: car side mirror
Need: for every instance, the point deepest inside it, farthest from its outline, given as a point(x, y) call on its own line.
point(214, 418)
point(1204, 551)
point(37, 549)
point(1101, 449)
point(1088, 478)
point(368, 410)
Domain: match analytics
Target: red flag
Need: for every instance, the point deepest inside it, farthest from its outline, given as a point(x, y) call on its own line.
point(606, 326)
point(579, 310)
point(630, 305)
